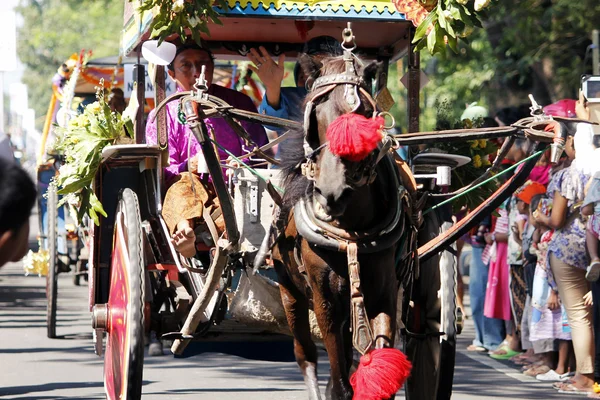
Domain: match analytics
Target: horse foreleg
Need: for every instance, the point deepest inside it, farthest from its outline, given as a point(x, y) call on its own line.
point(330, 323)
point(305, 350)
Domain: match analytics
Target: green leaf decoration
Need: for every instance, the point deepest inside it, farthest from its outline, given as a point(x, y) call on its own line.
point(82, 142)
point(447, 22)
point(422, 28)
point(182, 17)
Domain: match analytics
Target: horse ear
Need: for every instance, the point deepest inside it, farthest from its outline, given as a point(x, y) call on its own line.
point(370, 73)
point(309, 66)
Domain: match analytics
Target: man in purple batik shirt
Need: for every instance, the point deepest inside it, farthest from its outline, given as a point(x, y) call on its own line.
point(184, 70)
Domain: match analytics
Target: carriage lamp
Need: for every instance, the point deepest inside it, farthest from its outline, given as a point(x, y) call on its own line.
point(442, 176)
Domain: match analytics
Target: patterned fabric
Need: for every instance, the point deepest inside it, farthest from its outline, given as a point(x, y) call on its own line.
point(568, 243)
point(545, 323)
point(518, 291)
point(180, 135)
point(185, 199)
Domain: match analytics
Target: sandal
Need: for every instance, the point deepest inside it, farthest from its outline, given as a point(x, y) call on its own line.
point(476, 348)
point(593, 271)
point(508, 353)
point(553, 376)
point(539, 370)
point(570, 388)
point(559, 385)
point(525, 367)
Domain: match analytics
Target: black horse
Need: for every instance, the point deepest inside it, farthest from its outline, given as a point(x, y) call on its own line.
point(340, 211)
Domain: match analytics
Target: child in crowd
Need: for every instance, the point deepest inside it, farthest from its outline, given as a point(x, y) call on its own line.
point(591, 208)
point(523, 233)
point(547, 314)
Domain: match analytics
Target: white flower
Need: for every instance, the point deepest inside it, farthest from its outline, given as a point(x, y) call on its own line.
point(481, 4)
point(178, 5)
point(448, 15)
point(463, 2)
point(193, 21)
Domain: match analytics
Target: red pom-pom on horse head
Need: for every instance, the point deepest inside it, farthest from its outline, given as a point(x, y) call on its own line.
point(380, 374)
point(353, 136)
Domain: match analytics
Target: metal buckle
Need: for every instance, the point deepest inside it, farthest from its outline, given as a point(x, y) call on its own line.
point(309, 169)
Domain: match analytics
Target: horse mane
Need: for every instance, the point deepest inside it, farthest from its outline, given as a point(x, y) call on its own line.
point(295, 184)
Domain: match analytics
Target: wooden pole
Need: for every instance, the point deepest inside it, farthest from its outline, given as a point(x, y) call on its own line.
point(414, 85)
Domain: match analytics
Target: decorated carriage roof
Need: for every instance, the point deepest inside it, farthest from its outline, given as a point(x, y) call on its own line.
point(283, 25)
point(341, 9)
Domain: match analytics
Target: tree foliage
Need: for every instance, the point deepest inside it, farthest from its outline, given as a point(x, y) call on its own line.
point(52, 30)
point(526, 46)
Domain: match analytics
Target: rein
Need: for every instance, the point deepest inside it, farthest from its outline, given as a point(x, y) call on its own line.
point(215, 107)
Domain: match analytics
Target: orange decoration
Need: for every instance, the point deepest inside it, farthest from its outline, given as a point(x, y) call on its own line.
point(414, 10)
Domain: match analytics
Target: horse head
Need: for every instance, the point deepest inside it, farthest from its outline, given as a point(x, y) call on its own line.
point(342, 131)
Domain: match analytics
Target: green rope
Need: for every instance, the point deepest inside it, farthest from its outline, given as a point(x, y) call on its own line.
point(249, 168)
point(484, 182)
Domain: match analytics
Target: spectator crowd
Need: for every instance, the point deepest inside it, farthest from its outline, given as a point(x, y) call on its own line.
point(535, 295)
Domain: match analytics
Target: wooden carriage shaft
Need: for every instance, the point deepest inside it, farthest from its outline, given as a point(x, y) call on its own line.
point(139, 75)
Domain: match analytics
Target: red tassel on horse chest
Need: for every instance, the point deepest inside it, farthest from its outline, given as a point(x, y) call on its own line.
point(380, 374)
point(353, 136)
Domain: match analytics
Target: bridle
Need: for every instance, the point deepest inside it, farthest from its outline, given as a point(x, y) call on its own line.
point(363, 172)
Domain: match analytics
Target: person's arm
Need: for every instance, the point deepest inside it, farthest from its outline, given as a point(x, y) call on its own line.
point(176, 164)
point(282, 111)
point(270, 73)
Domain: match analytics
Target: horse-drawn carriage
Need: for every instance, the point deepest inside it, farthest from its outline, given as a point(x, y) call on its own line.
point(139, 283)
point(63, 245)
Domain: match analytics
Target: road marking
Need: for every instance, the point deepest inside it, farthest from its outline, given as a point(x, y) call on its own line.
point(498, 366)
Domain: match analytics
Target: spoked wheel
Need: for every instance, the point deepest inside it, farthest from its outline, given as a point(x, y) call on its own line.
point(432, 318)
point(124, 356)
point(52, 275)
point(448, 321)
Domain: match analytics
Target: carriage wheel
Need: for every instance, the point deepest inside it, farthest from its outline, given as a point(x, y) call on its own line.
point(52, 275)
point(434, 311)
point(124, 356)
point(448, 321)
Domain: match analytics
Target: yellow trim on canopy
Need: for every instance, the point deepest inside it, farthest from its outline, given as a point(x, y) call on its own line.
point(369, 5)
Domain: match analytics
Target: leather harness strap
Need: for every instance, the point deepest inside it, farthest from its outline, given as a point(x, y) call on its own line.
point(362, 334)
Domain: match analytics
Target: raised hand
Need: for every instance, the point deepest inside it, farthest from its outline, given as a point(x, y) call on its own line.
point(270, 73)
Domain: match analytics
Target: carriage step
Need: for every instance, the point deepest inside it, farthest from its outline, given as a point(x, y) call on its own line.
point(176, 335)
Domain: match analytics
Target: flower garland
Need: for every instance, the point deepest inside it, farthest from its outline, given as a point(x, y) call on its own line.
point(82, 142)
point(441, 22)
point(181, 17)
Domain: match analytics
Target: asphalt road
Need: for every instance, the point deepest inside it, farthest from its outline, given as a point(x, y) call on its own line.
point(35, 367)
